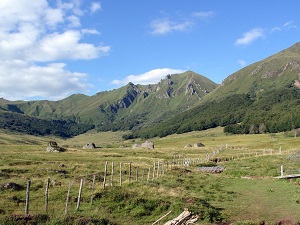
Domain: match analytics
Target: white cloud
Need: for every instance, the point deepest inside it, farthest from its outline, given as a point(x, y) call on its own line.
point(32, 32)
point(165, 25)
point(250, 36)
point(242, 63)
point(27, 80)
point(286, 26)
point(74, 21)
point(65, 46)
point(95, 6)
point(151, 77)
point(203, 14)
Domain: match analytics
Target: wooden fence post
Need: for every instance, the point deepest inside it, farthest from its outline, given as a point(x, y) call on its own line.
point(148, 175)
point(27, 198)
point(129, 177)
point(47, 195)
point(154, 164)
point(143, 175)
point(136, 174)
point(79, 195)
point(157, 172)
point(93, 186)
point(68, 198)
point(112, 174)
point(104, 177)
point(281, 170)
point(120, 174)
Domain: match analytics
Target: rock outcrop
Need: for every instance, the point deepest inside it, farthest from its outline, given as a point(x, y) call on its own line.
point(146, 144)
point(53, 147)
point(89, 146)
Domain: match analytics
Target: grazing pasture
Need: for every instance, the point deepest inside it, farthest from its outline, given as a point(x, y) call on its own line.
point(124, 185)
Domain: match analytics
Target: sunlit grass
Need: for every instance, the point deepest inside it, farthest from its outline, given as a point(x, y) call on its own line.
point(246, 190)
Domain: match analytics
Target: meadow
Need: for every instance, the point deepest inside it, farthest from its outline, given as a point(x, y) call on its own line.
point(246, 192)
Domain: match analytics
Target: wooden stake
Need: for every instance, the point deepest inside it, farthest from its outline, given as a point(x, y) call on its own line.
point(93, 185)
point(79, 195)
point(27, 198)
point(143, 175)
point(68, 198)
point(157, 172)
point(120, 174)
point(281, 170)
point(153, 171)
point(148, 175)
point(47, 194)
point(112, 174)
point(104, 177)
point(129, 177)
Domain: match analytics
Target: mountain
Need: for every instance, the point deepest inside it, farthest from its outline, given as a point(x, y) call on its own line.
point(129, 107)
point(277, 71)
point(262, 97)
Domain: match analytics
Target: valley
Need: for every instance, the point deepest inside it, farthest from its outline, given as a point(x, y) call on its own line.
point(246, 192)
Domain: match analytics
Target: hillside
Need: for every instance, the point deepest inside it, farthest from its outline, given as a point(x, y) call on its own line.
point(131, 106)
point(262, 97)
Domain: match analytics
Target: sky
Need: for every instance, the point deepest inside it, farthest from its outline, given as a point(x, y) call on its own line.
point(51, 49)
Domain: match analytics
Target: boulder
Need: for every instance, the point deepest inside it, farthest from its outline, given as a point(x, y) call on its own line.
point(136, 146)
point(11, 186)
point(89, 146)
point(188, 146)
point(146, 144)
point(53, 147)
point(198, 145)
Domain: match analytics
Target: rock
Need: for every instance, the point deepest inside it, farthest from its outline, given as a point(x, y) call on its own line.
point(198, 145)
point(11, 186)
point(53, 147)
point(188, 146)
point(136, 146)
point(89, 146)
point(146, 144)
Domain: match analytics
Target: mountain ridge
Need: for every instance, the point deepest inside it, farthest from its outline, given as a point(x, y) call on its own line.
point(124, 108)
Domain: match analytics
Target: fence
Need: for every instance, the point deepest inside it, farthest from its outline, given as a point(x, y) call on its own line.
point(127, 173)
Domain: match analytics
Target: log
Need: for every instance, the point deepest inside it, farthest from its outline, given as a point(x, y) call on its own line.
point(185, 218)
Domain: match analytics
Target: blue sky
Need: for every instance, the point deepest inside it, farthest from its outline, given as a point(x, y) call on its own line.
point(50, 49)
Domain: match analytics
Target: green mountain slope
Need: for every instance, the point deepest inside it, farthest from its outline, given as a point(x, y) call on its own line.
point(262, 97)
point(129, 107)
point(277, 71)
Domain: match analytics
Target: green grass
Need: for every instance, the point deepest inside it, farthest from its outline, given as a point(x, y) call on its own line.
point(245, 192)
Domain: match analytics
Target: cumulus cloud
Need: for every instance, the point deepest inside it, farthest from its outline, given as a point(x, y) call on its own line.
point(35, 38)
point(28, 80)
point(150, 77)
point(250, 36)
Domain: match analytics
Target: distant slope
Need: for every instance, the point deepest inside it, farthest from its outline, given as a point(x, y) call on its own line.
point(129, 107)
point(262, 97)
point(277, 71)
